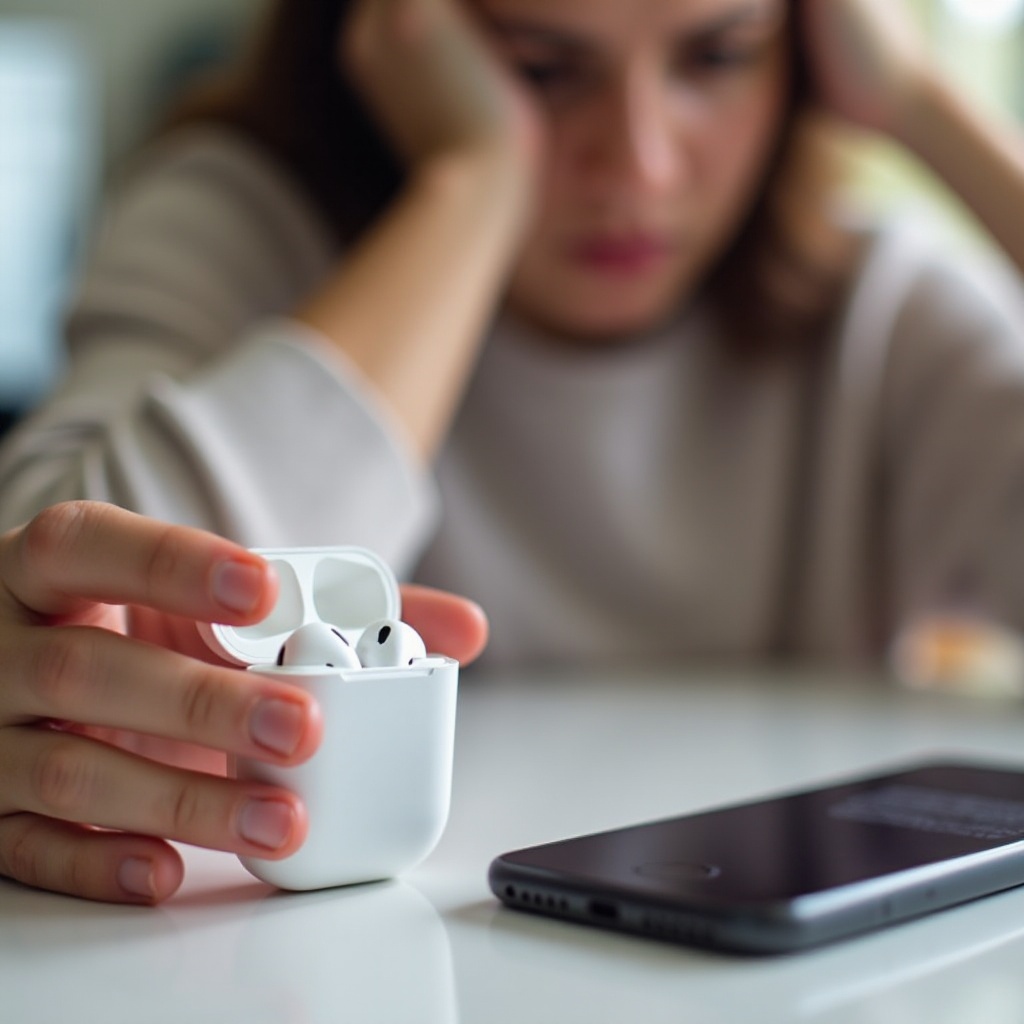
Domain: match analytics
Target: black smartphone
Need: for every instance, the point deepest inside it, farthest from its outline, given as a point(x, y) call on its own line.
point(793, 871)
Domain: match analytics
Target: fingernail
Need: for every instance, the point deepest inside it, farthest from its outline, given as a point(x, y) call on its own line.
point(136, 876)
point(278, 725)
point(238, 586)
point(266, 823)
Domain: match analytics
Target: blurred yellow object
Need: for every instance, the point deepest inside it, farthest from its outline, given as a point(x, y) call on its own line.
point(960, 654)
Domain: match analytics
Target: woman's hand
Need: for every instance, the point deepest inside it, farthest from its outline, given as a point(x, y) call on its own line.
point(81, 815)
point(433, 83)
point(411, 303)
point(869, 63)
point(871, 67)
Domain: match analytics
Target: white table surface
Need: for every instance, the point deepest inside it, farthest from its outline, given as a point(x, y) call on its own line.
point(540, 758)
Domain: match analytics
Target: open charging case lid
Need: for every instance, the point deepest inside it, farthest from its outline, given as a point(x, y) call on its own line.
point(346, 587)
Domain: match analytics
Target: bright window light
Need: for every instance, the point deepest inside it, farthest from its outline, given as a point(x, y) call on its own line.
point(45, 165)
point(988, 15)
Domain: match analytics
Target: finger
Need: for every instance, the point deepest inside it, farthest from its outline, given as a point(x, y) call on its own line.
point(449, 624)
point(172, 632)
point(111, 866)
point(81, 552)
point(94, 677)
point(70, 778)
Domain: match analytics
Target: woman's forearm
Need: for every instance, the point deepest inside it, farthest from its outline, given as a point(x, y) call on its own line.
point(980, 158)
point(410, 302)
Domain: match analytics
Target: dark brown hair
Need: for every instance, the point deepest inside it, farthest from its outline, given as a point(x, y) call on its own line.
point(779, 278)
point(289, 96)
point(783, 275)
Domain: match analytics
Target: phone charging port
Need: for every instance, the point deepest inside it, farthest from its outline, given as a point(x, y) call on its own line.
point(603, 909)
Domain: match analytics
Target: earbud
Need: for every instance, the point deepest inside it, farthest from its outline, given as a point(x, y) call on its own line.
point(383, 644)
point(389, 644)
point(317, 643)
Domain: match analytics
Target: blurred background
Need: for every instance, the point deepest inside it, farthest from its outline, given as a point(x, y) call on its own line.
point(82, 82)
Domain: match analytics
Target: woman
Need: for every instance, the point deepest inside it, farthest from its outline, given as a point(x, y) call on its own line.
point(544, 301)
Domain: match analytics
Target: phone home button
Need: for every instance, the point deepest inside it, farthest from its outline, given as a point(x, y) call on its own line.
point(679, 871)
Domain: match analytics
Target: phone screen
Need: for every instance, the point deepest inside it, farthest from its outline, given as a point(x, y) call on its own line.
point(791, 871)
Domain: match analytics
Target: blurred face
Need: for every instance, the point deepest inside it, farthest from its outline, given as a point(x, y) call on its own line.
point(662, 115)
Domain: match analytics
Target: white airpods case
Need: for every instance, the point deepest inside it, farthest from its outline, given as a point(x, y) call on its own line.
point(378, 788)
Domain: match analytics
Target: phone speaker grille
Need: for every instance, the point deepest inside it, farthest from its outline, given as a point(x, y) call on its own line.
point(541, 900)
point(674, 928)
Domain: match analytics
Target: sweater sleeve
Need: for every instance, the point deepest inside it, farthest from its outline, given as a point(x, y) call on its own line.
point(953, 434)
point(192, 396)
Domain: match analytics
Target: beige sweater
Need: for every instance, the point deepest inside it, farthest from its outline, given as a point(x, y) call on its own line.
point(645, 503)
